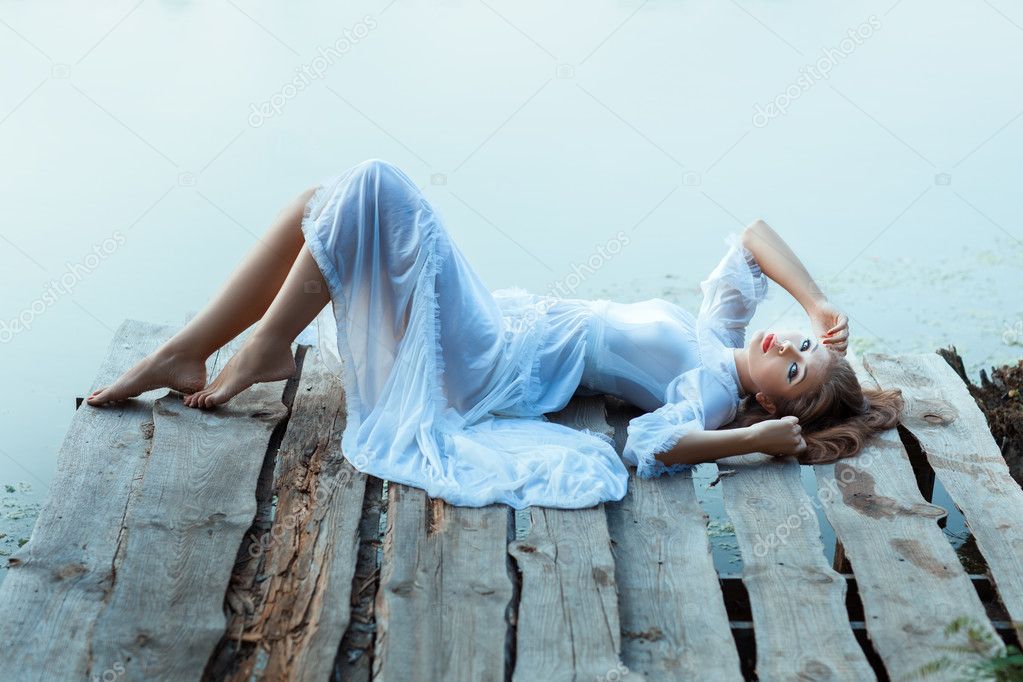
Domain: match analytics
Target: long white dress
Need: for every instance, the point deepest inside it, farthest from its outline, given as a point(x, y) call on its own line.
point(447, 382)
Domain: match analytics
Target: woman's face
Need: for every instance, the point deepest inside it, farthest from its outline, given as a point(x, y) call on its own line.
point(785, 364)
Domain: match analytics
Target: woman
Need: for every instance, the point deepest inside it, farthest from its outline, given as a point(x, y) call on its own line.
point(447, 383)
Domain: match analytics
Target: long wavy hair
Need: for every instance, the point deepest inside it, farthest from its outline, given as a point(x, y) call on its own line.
point(837, 418)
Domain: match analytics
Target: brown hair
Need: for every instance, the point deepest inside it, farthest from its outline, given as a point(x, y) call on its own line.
point(837, 418)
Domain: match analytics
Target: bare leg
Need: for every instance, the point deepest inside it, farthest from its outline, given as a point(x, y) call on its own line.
point(266, 354)
point(180, 363)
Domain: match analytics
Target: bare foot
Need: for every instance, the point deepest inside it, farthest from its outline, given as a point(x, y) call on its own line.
point(258, 360)
point(161, 368)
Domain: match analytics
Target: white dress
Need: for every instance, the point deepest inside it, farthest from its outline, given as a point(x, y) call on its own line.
point(447, 382)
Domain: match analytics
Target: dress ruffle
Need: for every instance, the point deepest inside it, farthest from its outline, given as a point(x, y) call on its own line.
point(524, 319)
point(656, 432)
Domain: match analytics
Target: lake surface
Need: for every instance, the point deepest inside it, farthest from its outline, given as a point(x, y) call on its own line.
point(148, 144)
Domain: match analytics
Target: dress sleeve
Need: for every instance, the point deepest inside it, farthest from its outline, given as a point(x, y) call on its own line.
point(692, 396)
point(732, 291)
point(655, 432)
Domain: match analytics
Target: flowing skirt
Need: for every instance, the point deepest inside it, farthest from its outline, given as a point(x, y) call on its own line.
point(441, 375)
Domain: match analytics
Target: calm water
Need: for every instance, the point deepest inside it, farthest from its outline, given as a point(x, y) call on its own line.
point(146, 145)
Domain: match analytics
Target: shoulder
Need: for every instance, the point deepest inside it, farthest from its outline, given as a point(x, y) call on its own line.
point(714, 382)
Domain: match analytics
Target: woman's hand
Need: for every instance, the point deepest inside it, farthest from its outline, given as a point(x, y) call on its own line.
point(778, 437)
point(831, 326)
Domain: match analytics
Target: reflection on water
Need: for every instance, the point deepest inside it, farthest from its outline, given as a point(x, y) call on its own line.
point(148, 145)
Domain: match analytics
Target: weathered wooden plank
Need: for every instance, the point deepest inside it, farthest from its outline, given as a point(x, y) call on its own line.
point(910, 581)
point(797, 600)
point(354, 660)
point(298, 609)
point(182, 530)
point(955, 437)
point(59, 581)
point(444, 590)
point(674, 622)
point(568, 623)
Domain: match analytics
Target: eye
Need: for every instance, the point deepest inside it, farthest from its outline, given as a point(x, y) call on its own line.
point(805, 345)
point(793, 370)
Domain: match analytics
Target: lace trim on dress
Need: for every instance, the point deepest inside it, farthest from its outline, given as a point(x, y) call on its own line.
point(652, 467)
point(602, 436)
point(519, 307)
point(646, 442)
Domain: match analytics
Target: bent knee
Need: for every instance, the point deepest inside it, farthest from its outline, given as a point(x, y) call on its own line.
point(389, 177)
point(375, 165)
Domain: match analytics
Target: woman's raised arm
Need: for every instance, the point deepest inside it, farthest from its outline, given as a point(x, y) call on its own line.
point(778, 262)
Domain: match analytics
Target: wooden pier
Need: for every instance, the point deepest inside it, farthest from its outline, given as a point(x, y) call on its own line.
point(239, 544)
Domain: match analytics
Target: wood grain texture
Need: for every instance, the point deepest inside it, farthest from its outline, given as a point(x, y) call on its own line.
point(297, 602)
point(674, 623)
point(568, 622)
point(955, 437)
point(182, 531)
point(797, 600)
point(58, 583)
point(354, 661)
point(444, 590)
point(909, 578)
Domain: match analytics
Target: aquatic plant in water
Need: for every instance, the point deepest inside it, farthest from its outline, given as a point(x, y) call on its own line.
point(983, 657)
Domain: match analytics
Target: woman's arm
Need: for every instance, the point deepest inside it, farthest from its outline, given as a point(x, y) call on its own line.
point(772, 436)
point(706, 446)
point(778, 262)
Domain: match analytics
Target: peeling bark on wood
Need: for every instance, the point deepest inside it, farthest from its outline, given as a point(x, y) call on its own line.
point(290, 597)
point(354, 661)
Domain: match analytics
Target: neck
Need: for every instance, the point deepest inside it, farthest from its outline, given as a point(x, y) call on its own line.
point(742, 368)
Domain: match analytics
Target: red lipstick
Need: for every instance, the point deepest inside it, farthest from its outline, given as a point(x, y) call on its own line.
point(767, 342)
